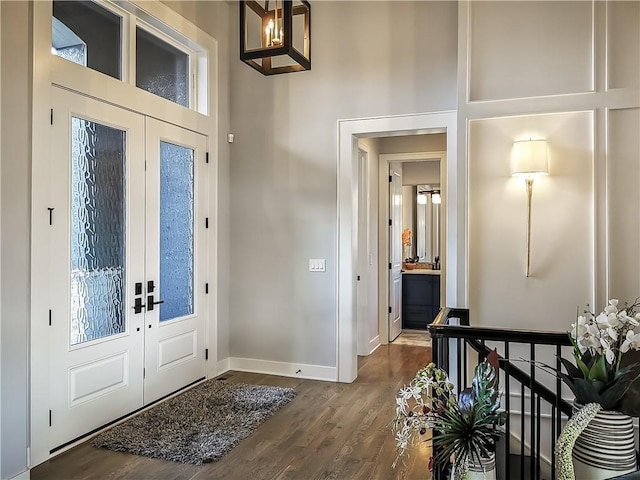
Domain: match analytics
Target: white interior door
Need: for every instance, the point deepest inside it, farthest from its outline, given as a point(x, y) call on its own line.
point(128, 257)
point(97, 255)
point(176, 252)
point(395, 250)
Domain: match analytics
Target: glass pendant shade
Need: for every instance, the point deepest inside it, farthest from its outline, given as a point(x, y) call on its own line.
point(275, 35)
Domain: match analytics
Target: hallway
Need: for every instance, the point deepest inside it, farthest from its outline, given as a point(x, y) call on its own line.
point(330, 430)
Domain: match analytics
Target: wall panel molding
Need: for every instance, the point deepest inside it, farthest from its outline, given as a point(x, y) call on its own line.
point(550, 49)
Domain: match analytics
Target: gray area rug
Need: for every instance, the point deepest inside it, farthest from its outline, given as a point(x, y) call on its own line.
point(200, 425)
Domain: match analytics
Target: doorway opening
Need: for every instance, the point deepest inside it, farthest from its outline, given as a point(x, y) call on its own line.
point(453, 193)
point(415, 237)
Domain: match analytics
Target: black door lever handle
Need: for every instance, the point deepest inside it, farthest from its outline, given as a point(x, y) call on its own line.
point(138, 305)
point(151, 303)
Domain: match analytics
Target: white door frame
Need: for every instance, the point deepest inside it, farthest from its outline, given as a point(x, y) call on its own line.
point(347, 242)
point(364, 228)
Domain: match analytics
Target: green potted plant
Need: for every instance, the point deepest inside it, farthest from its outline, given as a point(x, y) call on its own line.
point(463, 429)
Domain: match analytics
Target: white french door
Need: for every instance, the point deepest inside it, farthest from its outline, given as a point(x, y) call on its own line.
point(128, 249)
point(176, 248)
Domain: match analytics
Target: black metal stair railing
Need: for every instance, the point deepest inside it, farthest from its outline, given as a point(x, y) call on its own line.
point(453, 345)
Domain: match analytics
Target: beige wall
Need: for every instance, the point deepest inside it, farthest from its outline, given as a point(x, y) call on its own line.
point(369, 59)
point(433, 142)
point(542, 83)
point(15, 202)
point(562, 224)
point(421, 173)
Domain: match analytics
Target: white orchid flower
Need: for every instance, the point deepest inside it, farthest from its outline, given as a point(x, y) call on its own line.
point(606, 348)
point(605, 321)
point(612, 307)
point(632, 340)
point(580, 328)
point(629, 320)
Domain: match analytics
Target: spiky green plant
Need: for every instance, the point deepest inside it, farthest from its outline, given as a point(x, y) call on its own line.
point(467, 430)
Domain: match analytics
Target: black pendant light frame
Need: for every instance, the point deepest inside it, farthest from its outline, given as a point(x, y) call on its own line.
point(266, 53)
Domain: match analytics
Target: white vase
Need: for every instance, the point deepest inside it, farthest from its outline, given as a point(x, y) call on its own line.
point(485, 471)
point(606, 447)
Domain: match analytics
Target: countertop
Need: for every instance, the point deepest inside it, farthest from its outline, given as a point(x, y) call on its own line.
point(421, 271)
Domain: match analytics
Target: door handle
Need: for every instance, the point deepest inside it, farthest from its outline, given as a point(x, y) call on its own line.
point(151, 303)
point(138, 305)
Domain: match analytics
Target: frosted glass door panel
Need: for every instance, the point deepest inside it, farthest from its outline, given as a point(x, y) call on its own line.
point(161, 68)
point(176, 231)
point(97, 231)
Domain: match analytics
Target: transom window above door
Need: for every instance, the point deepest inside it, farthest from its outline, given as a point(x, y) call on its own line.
point(123, 42)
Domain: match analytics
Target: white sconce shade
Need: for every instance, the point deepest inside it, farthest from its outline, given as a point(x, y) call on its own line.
point(530, 158)
point(436, 199)
point(422, 199)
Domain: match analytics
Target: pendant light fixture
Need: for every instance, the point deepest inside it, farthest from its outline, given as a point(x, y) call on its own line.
point(275, 35)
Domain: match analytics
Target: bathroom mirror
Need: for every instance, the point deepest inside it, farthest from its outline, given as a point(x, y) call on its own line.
point(421, 213)
point(428, 202)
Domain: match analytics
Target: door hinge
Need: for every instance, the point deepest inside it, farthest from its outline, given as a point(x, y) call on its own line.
point(49, 317)
point(358, 278)
point(51, 209)
point(52, 116)
point(389, 265)
point(390, 178)
point(389, 309)
point(206, 288)
point(206, 222)
point(206, 354)
point(144, 372)
point(49, 417)
point(206, 157)
point(390, 222)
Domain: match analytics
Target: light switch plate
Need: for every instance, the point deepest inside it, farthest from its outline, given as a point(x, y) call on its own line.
point(317, 265)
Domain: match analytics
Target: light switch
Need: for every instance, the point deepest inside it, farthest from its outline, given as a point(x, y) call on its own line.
point(316, 265)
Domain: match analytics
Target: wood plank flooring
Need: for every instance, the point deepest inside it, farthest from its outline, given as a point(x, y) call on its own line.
point(329, 431)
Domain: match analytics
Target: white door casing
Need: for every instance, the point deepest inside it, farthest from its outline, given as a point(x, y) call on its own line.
point(395, 250)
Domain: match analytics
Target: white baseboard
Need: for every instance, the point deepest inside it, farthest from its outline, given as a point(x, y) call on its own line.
point(374, 344)
point(223, 366)
point(268, 367)
point(22, 476)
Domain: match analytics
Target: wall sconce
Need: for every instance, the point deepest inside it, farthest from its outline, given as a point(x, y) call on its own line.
point(529, 159)
point(275, 36)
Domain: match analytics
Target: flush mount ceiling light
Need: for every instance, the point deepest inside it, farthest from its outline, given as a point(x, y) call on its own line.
point(529, 159)
point(275, 35)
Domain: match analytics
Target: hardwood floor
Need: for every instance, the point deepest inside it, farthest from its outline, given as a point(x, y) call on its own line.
point(329, 431)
